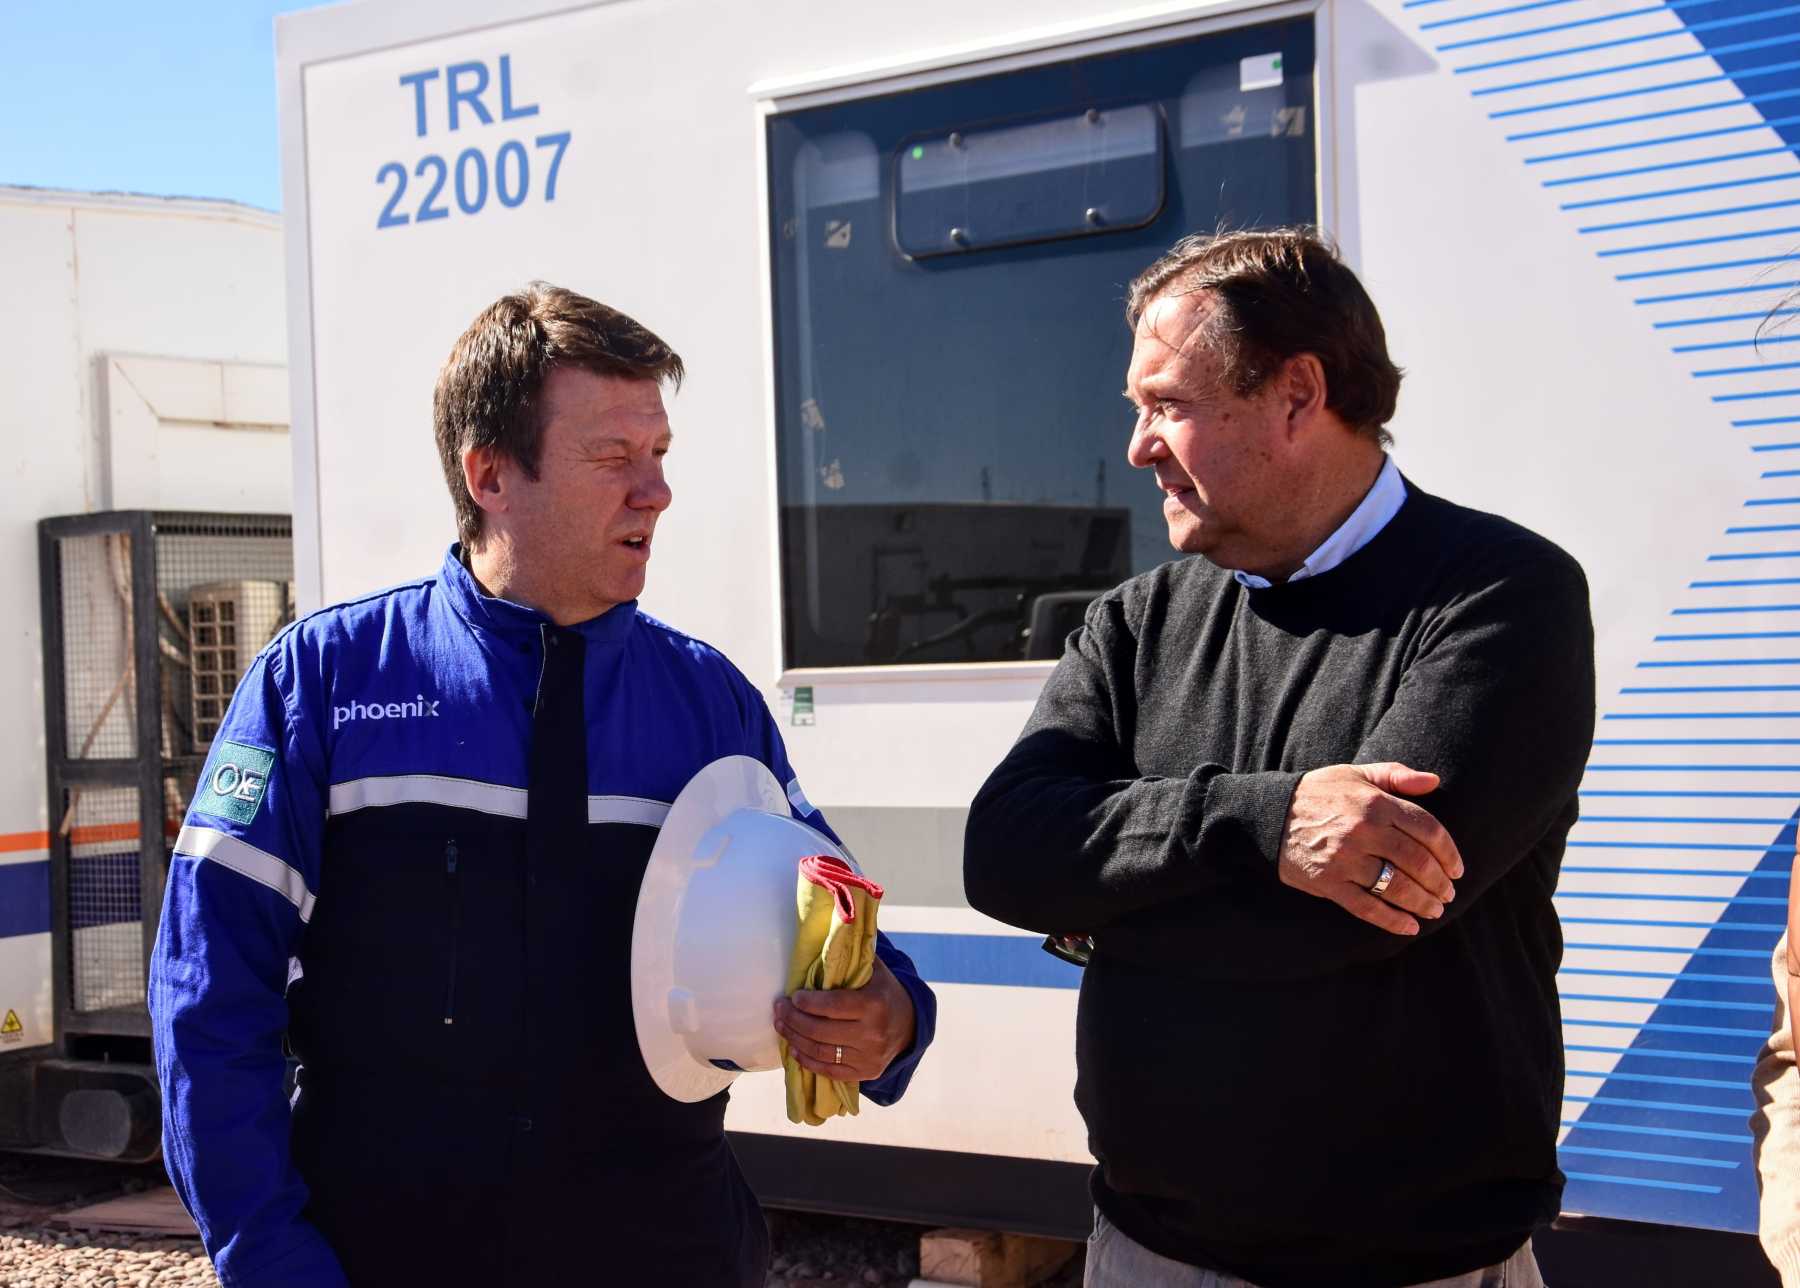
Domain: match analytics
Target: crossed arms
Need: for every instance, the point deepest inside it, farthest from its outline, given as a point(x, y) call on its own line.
point(1473, 765)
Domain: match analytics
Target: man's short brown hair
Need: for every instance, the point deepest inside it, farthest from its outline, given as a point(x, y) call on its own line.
point(1281, 292)
point(490, 389)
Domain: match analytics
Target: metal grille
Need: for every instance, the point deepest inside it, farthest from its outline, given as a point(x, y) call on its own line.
point(100, 680)
point(105, 902)
point(224, 588)
point(151, 620)
point(228, 621)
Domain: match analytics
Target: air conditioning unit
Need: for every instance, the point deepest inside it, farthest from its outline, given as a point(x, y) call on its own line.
point(228, 624)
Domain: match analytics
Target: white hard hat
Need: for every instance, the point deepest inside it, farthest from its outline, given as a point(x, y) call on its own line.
point(715, 928)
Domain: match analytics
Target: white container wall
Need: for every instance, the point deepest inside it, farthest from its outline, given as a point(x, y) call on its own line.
point(142, 365)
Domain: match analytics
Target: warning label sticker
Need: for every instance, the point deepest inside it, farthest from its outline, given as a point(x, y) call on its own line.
point(10, 1028)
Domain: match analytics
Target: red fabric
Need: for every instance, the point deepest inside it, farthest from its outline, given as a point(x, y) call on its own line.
point(833, 874)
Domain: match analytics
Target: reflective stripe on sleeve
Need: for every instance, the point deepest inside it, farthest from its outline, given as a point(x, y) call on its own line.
point(246, 860)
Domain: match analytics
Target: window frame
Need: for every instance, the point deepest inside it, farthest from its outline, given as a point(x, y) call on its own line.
point(1064, 43)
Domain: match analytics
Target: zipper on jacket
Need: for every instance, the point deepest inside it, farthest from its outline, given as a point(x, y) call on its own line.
point(450, 861)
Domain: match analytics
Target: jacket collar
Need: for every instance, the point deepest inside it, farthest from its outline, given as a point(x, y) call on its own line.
point(516, 623)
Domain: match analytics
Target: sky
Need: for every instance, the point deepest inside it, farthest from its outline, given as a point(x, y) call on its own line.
point(171, 97)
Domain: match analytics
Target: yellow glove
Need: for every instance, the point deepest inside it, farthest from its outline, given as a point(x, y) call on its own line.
point(834, 949)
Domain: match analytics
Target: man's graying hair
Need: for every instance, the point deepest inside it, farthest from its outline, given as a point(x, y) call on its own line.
point(488, 393)
point(1281, 292)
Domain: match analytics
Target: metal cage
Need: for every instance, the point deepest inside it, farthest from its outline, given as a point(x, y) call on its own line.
point(150, 619)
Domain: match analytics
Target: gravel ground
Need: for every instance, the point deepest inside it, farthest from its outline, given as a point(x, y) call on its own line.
point(813, 1251)
point(36, 1257)
point(810, 1251)
point(33, 1254)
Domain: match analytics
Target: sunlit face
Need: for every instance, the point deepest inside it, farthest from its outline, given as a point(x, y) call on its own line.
point(1219, 459)
point(584, 526)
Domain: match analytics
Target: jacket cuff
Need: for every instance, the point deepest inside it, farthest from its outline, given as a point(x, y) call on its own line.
point(304, 1260)
point(892, 1083)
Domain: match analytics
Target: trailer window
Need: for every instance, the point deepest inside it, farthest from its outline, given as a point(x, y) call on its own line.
point(949, 274)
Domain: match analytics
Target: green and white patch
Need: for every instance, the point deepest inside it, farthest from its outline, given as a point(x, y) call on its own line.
point(235, 781)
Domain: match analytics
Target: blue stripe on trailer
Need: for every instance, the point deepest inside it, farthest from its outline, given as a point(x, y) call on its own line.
point(1754, 954)
point(24, 899)
point(1690, 638)
point(1721, 661)
point(1639, 92)
point(1724, 1164)
point(1731, 583)
point(1684, 795)
point(1661, 1186)
point(1697, 742)
point(1682, 28)
point(1723, 317)
point(1015, 960)
point(1673, 818)
point(104, 890)
point(1637, 145)
point(1669, 1080)
point(1620, 68)
point(1665, 845)
point(1684, 217)
point(1672, 1133)
point(1717, 266)
point(1485, 14)
point(1757, 289)
point(1755, 979)
point(1632, 1104)
point(1707, 1057)
point(1768, 901)
point(1669, 1000)
point(1735, 1204)
point(1696, 769)
point(1709, 373)
point(1528, 33)
point(1648, 1181)
point(1689, 164)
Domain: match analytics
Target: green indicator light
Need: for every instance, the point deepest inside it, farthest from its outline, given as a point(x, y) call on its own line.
point(918, 152)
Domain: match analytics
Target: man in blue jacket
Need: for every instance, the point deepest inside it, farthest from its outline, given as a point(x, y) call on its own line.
point(415, 852)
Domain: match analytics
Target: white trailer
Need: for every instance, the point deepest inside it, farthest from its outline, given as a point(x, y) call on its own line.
point(891, 242)
point(142, 366)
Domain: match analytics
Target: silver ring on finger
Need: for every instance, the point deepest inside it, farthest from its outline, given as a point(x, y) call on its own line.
point(1383, 881)
point(838, 1058)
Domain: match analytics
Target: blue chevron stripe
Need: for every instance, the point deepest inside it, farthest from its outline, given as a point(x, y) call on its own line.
point(1650, 1135)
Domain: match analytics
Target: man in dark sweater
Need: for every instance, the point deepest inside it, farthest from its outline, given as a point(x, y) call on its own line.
point(1308, 795)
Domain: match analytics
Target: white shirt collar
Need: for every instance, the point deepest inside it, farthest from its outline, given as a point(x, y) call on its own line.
point(1382, 503)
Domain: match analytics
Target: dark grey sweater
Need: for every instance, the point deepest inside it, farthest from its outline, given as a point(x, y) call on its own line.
point(1274, 1088)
